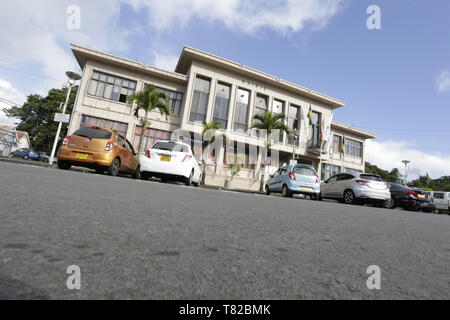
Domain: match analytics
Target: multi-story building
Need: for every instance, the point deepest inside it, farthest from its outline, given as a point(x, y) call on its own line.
point(207, 88)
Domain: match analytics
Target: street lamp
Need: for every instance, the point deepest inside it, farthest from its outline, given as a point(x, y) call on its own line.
point(73, 77)
point(406, 162)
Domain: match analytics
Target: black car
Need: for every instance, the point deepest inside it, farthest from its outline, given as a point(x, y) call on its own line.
point(408, 199)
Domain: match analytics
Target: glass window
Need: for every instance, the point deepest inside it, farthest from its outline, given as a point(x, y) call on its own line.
point(315, 130)
point(87, 121)
point(278, 108)
point(221, 105)
point(175, 99)
point(329, 170)
point(337, 140)
point(306, 171)
point(241, 111)
point(102, 85)
point(93, 133)
point(294, 124)
point(353, 148)
point(352, 171)
point(260, 104)
point(371, 177)
point(151, 136)
point(200, 100)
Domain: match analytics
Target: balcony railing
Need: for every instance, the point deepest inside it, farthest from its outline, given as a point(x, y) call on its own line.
point(314, 146)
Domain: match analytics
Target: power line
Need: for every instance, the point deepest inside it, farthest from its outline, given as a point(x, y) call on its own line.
point(29, 73)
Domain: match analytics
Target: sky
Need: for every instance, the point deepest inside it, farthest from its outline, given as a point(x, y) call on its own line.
point(395, 80)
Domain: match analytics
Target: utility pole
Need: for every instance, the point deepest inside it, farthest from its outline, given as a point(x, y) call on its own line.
point(73, 77)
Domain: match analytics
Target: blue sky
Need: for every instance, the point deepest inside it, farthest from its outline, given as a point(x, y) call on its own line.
point(395, 81)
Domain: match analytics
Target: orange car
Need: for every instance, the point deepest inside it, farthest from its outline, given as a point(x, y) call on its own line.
point(100, 149)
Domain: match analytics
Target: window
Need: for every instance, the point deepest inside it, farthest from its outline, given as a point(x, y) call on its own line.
point(439, 195)
point(371, 177)
point(88, 121)
point(329, 170)
point(200, 101)
point(337, 140)
point(343, 177)
point(111, 87)
point(294, 124)
point(304, 171)
point(171, 146)
point(260, 104)
point(175, 99)
point(151, 136)
point(352, 171)
point(353, 148)
point(278, 108)
point(315, 130)
point(221, 105)
point(130, 147)
point(121, 141)
point(241, 111)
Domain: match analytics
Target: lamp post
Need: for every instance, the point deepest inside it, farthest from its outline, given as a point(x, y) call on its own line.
point(73, 77)
point(406, 162)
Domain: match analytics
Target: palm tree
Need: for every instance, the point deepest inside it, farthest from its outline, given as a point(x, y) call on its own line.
point(208, 127)
point(269, 122)
point(148, 100)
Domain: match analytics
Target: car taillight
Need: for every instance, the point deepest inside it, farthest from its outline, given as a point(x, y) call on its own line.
point(187, 157)
point(147, 154)
point(66, 141)
point(292, 175)
point(362, 182)
point(410, 192)
point(109, 146)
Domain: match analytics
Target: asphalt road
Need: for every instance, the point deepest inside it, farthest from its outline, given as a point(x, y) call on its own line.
point(147, 240)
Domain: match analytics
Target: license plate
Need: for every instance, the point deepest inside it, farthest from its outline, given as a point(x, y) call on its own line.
point(421, 196)
point(304, 188)
point(82, 156)
point(165, 158)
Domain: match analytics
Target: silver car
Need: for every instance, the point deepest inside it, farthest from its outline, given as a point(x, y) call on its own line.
point(356, 188)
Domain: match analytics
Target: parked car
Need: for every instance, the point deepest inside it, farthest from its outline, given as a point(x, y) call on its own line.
point(294, 179)
point(408, 199)
point(426, 203)
point(44, 156)
point(26, 153)
point(441, 200)
point(169, 160)
point(356, 188)
point(100, 149)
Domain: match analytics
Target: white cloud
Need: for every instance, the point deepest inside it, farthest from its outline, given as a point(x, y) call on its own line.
point(12, 96)
point(389, 154)
point(443, 81)
point(165, 61)
point(283, 16)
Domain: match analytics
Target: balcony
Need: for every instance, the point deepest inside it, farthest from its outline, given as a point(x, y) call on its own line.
point(314, 146)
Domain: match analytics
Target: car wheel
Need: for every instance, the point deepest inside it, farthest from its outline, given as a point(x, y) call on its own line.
point(99, 171)
point(145, 176)
point(188, 181)
point(137, 173)
point(64, 165)
point(267, 190)
point(389, 204)
point(349, 197)
point(285, 192)
point(113, 169)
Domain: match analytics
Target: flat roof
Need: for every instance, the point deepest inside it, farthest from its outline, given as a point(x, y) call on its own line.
point(83, 54)
point(352, 130)
point(188, 54)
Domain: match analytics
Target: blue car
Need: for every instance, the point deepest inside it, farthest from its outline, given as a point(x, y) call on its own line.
point(26, 154)
point(295, 179)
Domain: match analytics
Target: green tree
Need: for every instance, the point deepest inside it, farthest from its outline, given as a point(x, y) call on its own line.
point(37, 114)
point(147, 100)
point(269, 122)
point(392, 176)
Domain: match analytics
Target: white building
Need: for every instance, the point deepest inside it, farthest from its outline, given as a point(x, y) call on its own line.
point(208, 88)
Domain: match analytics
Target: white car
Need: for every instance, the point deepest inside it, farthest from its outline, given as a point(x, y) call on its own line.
point(170, 160)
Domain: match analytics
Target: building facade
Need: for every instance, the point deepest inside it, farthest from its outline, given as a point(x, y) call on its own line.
point(207, 88)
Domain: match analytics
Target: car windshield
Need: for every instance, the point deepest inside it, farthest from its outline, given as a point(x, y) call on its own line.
point(93, 133)
point(304, 171)
point(169, 146)
point(371, 177)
